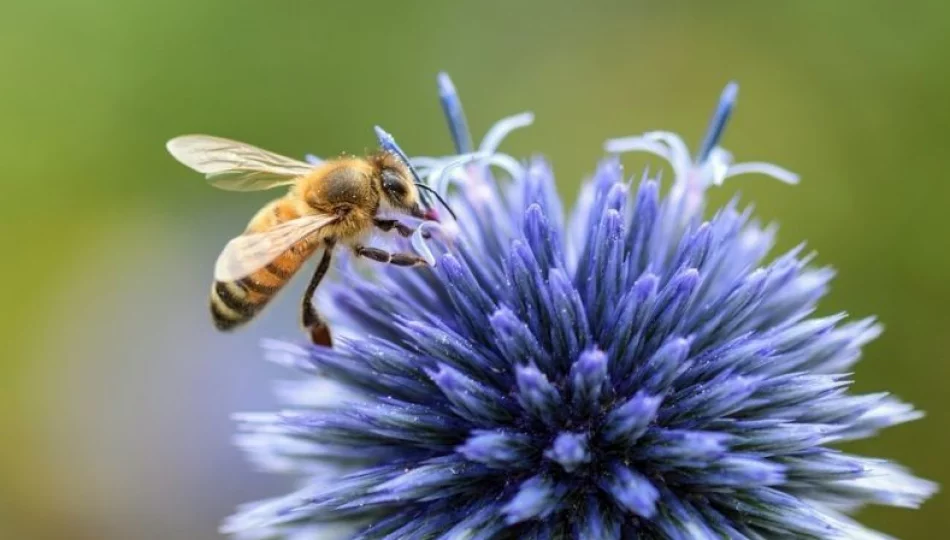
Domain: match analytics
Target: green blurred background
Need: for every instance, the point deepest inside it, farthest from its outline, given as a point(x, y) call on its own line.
point(114, 390)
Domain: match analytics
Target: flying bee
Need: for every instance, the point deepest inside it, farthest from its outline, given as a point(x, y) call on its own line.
point(335, 203)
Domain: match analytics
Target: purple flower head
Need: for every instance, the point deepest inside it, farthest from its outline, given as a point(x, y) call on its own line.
point(632, 371)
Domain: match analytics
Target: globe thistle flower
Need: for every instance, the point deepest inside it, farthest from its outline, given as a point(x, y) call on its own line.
point(630, 371)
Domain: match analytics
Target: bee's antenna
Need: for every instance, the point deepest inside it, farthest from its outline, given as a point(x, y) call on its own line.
point(727, 102)
point(438, 197)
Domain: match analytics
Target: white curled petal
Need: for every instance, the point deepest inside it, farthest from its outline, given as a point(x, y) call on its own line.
point(502, 129)
point(440, 176)
point(638, 144)
point(419, 243)
point(508, 164)
point(447, 173)
point(442, 180)
point(758, 167)
point(679, 153)
point(716, 169)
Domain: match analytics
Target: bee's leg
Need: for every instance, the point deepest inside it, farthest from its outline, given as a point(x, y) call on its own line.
point(383, 256)
point(401, 228)
point(312, 321)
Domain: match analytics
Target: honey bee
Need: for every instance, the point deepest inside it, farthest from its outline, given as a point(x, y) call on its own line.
point(335, 203)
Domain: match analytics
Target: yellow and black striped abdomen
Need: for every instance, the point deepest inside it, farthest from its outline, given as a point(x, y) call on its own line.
point(237, 302)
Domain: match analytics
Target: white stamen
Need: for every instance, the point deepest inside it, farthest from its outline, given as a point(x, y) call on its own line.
point(692, 176)
point(442, 179)
point(419, 243)
point(716, 168)
point(637, 144)
point(508, 164)
point(439, 177)
point(659, 143)
point(758, 167)
point(679, 153)
point(443, 176)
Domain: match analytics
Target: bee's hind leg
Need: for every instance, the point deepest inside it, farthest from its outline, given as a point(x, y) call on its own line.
point(313, 323)
point(383, 256)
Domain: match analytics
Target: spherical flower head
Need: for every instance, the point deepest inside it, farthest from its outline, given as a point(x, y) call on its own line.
point(630, 371)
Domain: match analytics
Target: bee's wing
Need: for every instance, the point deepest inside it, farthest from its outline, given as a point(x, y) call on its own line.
point(250, 252)
point(235, 166)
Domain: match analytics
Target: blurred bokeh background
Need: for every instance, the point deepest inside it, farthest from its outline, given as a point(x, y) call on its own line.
point(115, 392)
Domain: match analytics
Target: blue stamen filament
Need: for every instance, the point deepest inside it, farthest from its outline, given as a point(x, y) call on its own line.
point(454, 115)
point(727, 102)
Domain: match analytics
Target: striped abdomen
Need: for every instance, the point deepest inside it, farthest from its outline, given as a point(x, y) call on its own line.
point(234, 303)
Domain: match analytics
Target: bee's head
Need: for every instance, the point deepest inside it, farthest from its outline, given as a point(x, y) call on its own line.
point(401, 184)
point(396, 184)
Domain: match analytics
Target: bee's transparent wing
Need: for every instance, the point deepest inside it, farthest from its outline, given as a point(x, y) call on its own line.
point(236, 166)
point(250, 252)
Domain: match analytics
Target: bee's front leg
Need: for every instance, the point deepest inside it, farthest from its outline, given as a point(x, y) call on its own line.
point(401, 228)
point(383, 256)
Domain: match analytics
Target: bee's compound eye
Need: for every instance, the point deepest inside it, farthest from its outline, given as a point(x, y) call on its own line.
point(394, 183)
